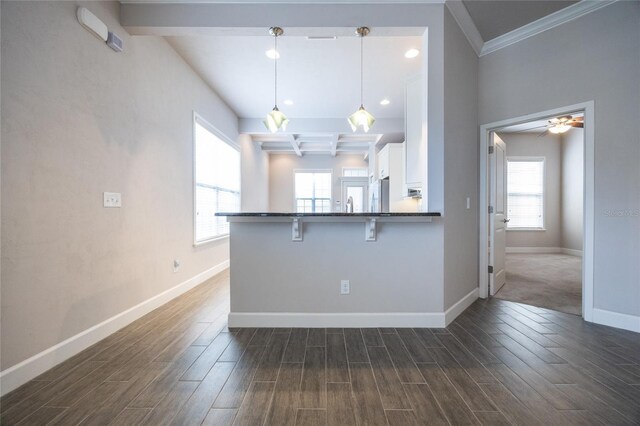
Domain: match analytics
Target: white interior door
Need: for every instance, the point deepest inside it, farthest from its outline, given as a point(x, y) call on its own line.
point(358, 193)
point(498, 218)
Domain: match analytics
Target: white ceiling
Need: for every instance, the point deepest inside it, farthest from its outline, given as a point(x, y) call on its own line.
point(322, 77)
point(494, 18)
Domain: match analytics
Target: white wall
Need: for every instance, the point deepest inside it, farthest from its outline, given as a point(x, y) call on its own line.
point(572, 189)
point(255, 176)
point(281, 175)
point(595, 57)
point(461, 159)
point(548, 146)
point(79, 119)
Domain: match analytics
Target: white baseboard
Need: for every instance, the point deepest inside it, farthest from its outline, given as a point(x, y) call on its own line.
point(544, 250)
point(342, 320)
point(378, 319)
point(459, 307)
point(572, 252)
point(21, 373)
point(617, 320)
point(534, 250)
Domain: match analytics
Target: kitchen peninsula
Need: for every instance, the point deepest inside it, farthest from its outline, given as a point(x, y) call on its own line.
point(335, 270)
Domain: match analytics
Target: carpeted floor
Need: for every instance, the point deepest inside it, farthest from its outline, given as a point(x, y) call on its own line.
point(551, 281)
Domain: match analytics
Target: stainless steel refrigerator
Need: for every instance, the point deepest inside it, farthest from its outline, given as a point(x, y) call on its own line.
point(379, 196)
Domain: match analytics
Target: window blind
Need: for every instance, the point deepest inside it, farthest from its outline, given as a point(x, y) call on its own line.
point(525, 193)
point(313, 192)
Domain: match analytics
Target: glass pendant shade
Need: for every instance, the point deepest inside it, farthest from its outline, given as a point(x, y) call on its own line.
point(276, 120)
point(361, 118)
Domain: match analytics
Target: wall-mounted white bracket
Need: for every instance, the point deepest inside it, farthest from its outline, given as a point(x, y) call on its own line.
point(296, 229)
point(370, 229)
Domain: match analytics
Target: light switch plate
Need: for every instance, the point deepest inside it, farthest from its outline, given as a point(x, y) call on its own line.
point(112, 199)
point(345, 287)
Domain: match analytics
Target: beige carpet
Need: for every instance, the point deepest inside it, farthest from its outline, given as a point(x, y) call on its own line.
point(551, 281)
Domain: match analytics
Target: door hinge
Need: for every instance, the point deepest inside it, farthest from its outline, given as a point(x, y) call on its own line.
point(491, 149)
point(490, 209)
point(490, 269)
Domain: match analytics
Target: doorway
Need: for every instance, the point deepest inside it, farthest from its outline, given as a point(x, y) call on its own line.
point(522, 257)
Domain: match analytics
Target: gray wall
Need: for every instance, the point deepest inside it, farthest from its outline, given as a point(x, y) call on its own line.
point(461, 158)
point(79, 119)
point(281, 169)
point(388, 275)
point(595, 57)
point(255, 176)
point(549, 147)
point(572, 189)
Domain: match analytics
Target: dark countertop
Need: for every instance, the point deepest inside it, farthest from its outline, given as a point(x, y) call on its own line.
point(267, 214)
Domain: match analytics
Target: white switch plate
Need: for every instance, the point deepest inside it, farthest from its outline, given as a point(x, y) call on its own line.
point(468, 203)
point(176, 265)
point(345, 287)
point(112, 199)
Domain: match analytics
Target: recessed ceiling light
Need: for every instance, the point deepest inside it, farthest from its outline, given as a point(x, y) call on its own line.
point(411, 53)
point(272, 54)
point(385, 102)
point(288, 102)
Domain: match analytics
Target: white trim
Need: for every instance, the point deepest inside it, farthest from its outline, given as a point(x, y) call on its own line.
point(549, 250)
point(545, 23)
point(589, 203)
point(572, 252)
point(459, 307)
point(466, 24)
point(378, 319)
point(21, 373)
point(532, 250)
point(617, 320)
point(317, 320)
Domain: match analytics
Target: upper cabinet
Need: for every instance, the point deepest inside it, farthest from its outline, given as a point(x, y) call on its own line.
point(414, 141)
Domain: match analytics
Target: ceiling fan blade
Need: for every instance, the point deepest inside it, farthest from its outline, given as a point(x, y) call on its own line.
point(578, 119)
point(577, 124)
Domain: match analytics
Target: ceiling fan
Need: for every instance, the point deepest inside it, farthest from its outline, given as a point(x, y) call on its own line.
point(559, 125)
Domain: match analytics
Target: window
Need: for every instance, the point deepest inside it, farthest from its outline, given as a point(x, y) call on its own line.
point(313, 192)
point(217, 181)
point(355, 172)
point(525, 193)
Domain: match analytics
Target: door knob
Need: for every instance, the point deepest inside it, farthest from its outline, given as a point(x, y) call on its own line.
point(506, 220)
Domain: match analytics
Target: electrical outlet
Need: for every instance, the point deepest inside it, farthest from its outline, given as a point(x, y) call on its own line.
point(176, 265)
point(345, 287)
point(112, 199)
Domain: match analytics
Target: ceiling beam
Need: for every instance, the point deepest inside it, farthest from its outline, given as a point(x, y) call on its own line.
point(334, 144)
point(294, 145)
point(255, 126)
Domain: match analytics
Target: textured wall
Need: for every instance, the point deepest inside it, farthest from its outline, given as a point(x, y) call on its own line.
point(572, 189)
point(79, 119)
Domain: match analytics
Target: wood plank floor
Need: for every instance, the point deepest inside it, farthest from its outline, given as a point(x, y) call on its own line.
point(498, 363)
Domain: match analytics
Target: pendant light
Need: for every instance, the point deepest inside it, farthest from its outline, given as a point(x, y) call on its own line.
point(361, 118)
point(276, 119)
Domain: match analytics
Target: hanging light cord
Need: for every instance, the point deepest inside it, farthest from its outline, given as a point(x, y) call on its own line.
point(275, 100)
point(361, 71)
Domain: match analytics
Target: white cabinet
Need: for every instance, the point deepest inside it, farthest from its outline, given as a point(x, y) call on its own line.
point(414, 140)
point(391, 166)
point(383, 163)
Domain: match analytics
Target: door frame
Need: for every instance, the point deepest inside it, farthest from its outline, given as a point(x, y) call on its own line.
point(588, 201)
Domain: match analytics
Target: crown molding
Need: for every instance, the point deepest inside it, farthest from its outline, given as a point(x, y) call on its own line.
point(466, 24)
point(543, 24)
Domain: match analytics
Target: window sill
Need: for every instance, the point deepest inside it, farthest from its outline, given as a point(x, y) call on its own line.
point(211, 240)
point(526, 229)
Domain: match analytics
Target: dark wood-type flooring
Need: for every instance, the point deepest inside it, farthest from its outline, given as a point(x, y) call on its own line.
point(499, 363)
